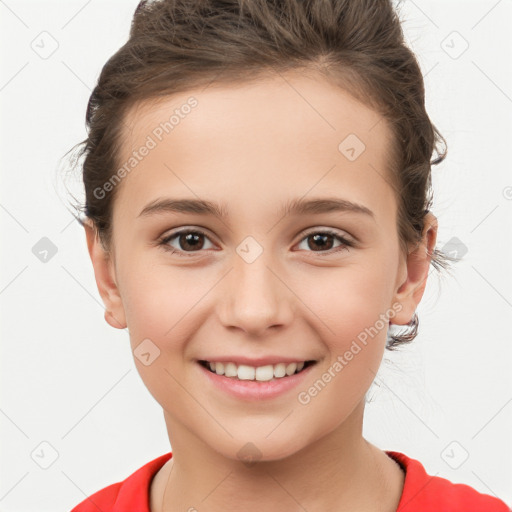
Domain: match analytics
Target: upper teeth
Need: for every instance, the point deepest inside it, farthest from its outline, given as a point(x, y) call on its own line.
point(261, 373)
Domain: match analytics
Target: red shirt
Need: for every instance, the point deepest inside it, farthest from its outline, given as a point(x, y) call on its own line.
point(421, 492)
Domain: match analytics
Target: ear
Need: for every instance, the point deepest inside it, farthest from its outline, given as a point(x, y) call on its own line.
point(417, 266)
point(105, 278)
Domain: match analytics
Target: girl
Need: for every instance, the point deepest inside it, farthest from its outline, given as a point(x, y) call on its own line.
point(258, 193)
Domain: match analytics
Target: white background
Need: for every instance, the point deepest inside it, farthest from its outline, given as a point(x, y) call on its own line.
point(68, 378)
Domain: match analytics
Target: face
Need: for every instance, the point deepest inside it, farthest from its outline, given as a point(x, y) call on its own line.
point(260, 283)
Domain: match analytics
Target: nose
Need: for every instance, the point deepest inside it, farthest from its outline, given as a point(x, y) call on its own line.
point(256, 297)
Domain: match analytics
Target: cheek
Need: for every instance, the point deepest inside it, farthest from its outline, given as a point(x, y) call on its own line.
point(353, 329)
point(159, 300)
point(159, 306)
point(351, 317)
point(348, 300)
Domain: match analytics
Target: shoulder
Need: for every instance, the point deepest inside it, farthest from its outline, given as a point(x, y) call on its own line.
point(423, 492)
point(129, 495)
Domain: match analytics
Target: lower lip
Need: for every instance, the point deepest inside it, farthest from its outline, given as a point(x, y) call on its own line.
point(255, 390)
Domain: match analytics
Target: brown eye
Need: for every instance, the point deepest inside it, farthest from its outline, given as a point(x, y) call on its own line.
point(187, 241)
point(323, 241)
point(191, 240)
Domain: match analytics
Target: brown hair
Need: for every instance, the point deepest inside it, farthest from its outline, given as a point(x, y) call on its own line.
point(177, 45)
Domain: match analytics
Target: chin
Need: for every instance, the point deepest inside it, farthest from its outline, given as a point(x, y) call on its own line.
point(253, 448)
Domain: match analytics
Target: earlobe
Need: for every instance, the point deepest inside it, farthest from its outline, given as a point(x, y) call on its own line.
point(112, 320)
point(410, 291)
point(105, 278)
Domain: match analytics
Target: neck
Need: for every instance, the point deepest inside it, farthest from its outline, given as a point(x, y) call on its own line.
point(340, 472)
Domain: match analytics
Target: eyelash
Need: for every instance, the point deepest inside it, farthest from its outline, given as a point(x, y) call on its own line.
point(163, 242)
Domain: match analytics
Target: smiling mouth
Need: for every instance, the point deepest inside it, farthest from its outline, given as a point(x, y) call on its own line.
point(261, 373)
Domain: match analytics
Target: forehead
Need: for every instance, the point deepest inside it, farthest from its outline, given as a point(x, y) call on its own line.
point(277, 136)
point(272, 101)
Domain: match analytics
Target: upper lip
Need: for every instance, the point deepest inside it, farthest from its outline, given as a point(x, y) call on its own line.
point(255, 361)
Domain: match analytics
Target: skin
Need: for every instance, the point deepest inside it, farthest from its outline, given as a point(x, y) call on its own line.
point(254, 147)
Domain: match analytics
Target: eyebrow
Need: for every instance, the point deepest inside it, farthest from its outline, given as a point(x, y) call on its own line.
point(293, 207)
